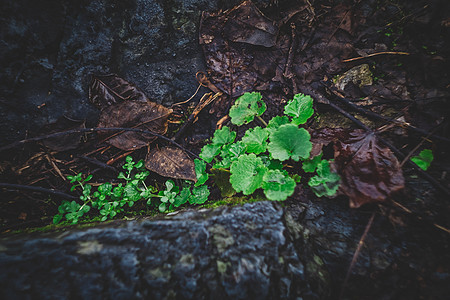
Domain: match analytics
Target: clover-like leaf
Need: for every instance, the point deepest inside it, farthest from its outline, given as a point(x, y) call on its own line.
point(300, 108)
point(230, 153)
point(209, 151)
point(223, 136)
point(255, 140)
point(183, 197)
point(277, 185)
point(289, 141)
point(424, 159)
point(247, 173)
point(310, 165)
point(200, 172)
point(199, 195)
point(325, 183)
point(276, 122)
point(246, 108)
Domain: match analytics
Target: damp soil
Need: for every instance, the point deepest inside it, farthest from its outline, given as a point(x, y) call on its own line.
point(50, 52)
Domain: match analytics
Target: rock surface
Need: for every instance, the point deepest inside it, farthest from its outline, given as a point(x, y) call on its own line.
point(255, 251)
point(49, 50)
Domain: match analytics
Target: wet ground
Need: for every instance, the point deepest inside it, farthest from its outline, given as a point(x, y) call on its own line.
point(396, 55)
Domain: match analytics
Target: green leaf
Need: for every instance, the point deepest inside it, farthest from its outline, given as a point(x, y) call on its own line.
point(209, 151)
point(276, 122)
point(297, 178)
point(289, 141)
point(169, 185)
point(131, 193)
point(310, 165)
point(300, 108)
point(162, 207)
point(325, 183)
point(246, 108)
point(57, 218)
point(199, 195)
point(223, 136)
point(183, 197)
point(255, 140)
point(222, 180)
point(229, 154)
point(277, 186)
point(200, 172)
point(424, 159)
point(247, 173)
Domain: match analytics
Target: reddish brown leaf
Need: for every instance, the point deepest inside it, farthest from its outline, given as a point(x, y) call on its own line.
point(107, 90)
point(369, 171)
point(171, 162)
point(132, 114)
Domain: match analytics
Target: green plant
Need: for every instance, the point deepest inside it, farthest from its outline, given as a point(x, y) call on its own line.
point(256, 161)
point(107, 200)
point(424, 159)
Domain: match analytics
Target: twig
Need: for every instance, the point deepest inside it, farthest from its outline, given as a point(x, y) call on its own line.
point(55, 167)
point(288, 74)
point(376, 54)
point(114, 159)
point(98, 163)
point(381, 117)
point(204, 101)
point(407, 210)
point(91, 130)
point(356, 254)
point(417, 147)
point(36, 189)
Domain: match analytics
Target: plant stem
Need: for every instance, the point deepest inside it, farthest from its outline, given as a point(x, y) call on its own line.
point(262, 121)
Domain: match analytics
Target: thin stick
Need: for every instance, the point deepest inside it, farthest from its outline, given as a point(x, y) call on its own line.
point(83, 130)
point(36, 189)
point(356, 254)
point(417, 147)
point(381, 117)
point(376, 54)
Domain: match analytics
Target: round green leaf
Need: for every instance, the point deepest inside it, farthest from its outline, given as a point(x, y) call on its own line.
point(223, 136)
point(209, 151)
point(300, 108)
point(289, 141)
point(277, 186)
point(246, 108)
point(255, 140)
point(247, 173)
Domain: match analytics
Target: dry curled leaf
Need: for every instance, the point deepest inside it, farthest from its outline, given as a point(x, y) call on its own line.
point(132, 114)
point(107, 90)
point(369, 171)
point(171, 162)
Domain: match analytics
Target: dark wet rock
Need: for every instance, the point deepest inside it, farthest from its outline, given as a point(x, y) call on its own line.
point(49, 50)
point(227, 253)
point(256, 251)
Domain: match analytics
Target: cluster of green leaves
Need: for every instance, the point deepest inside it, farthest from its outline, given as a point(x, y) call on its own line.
point(173, 196)
point(256, 161)
point(110, 201)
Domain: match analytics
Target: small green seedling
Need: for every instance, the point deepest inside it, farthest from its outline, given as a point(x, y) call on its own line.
point(424, 159)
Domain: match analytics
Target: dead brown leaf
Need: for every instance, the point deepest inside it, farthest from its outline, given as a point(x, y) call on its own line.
point(107, 90)
point(132, 114)
point(171, 162)
point(369, 171)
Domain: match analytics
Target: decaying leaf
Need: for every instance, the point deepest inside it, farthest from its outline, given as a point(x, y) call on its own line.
point(228, 39)
point(142, 115)
point(247, 24)
point(369, 171)
point(171, 162)
point(110, 89)
point(63, 142)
